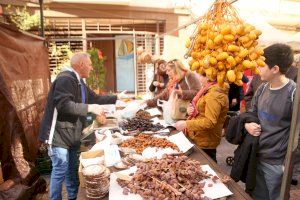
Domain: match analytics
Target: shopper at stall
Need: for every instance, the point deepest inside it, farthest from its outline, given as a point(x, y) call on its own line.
point(183, 82)
point(69, 101)
point(160, 79)
point(207, 114)
point(236, 95)
point(275, 121)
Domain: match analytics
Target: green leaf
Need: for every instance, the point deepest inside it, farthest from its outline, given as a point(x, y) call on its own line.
point(96, 79)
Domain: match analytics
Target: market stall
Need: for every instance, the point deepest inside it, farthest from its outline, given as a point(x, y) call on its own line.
point(147, 158)
point(133, 147)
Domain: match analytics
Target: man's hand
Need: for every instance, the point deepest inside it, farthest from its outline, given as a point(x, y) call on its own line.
point(180, 125)
point(190, 109)
point(96, 109)
point(253, 128)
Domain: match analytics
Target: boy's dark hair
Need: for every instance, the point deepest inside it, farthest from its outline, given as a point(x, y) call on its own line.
point(279, 54)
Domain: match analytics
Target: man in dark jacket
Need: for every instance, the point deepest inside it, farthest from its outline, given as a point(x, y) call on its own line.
point(69, 101)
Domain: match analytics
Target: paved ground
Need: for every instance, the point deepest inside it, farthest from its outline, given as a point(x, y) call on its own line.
point(224, 150)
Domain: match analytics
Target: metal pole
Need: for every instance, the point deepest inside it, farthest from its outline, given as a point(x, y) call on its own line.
point(88, 39)
point(135, 64)
point(157, 46)
point(42, 28)
point(84, 35)
point(292, 145)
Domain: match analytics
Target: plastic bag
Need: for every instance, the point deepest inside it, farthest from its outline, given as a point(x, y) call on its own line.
point(167, 109)
point(131, 109)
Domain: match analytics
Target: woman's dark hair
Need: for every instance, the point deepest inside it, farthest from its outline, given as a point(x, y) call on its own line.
point(279, 54)
point(160, 61)
point(157, 65)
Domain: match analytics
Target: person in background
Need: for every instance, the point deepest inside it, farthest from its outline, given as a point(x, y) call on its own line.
point(160, 79)
point(182, 81)
point(275, 121)
point(236, 95)
point(256, 82)
point(207, 114)
point(297, 60)
point(69, 101)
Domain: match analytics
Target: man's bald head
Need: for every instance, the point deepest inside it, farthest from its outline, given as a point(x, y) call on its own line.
point(82, 64)
point(77, 58)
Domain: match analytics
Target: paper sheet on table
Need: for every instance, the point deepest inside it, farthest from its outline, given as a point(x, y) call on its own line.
point(112, 155)
point(154, 111)
point(162, 131)
point(116, 191)
point(154, 152)
point(218, 190)
point(156, 120)
point(120, 103)
point(181, 141)
point(123, 137)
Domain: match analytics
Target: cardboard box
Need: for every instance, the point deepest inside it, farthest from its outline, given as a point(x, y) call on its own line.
point(86, 155)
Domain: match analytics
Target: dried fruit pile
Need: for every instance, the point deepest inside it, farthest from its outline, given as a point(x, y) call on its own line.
point(172, 177)
point(143, 114)
point(142, 141)
point(224, 46)
point(141, 125)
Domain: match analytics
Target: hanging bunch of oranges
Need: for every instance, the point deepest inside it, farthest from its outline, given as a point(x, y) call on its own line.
point(224, 46)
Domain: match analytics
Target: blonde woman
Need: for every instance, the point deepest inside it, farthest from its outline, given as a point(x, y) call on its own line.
point(182, 81)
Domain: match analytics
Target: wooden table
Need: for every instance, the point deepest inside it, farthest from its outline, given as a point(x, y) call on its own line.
point(238, 192)
point(203, 158)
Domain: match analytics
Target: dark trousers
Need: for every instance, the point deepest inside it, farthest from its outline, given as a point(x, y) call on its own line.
point(211, 153)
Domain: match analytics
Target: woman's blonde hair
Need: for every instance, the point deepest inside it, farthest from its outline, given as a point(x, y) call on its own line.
point(179, 69)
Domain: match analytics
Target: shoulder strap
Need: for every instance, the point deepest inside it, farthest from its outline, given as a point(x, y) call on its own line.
point(293, 93)
point(187, 82)
point(292, 89)
point(264, 87)
point(53, 124)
